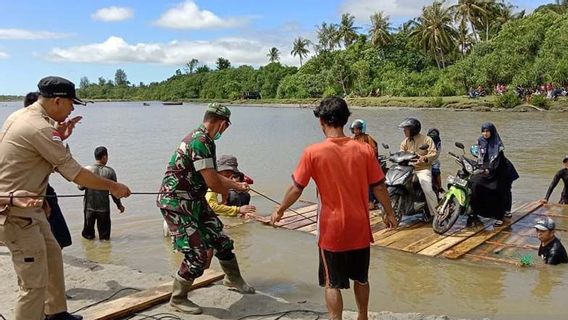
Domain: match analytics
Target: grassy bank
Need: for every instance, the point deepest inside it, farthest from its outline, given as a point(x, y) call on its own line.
point(10, 98)
point(456, 102)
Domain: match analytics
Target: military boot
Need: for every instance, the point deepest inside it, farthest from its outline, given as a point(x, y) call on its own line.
point(179, 300)
point(233, 276)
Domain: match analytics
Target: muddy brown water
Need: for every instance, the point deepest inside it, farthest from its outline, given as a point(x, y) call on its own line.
point(268, 142)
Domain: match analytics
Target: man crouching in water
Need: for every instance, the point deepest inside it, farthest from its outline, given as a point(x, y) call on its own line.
point(343, 170)
point(194, 227)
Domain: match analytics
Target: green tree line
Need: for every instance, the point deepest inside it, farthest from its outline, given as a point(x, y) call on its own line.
point(443, 52)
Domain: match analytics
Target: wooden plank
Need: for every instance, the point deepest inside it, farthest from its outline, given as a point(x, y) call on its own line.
point(452, 240)
point(387, 233)
point(492, 259)
point(125, 306)
point(404, 233)
point(309, 228)
point(432, 239)
point(483, 235)
point(287, 214)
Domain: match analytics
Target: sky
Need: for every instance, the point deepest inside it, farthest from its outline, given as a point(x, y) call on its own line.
point(150, 40)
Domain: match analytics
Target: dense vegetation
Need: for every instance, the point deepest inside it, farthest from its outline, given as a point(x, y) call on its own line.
point(444, 52)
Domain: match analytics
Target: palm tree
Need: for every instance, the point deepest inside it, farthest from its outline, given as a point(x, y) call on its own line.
point(328, 37)
point(471, 12)
point(435, 33)
point(273, 55)
point(300, 48)
point(465, 39)
point(380, 29)
point(347, 31)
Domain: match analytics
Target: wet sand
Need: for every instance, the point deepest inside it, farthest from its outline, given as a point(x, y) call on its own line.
point(89, 282)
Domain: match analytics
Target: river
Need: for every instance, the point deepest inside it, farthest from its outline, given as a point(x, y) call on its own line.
point(268, 142)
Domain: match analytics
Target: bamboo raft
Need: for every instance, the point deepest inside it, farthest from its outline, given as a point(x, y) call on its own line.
point(507, 244)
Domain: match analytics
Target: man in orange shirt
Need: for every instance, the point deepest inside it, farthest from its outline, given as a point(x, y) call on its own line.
point(343, 170)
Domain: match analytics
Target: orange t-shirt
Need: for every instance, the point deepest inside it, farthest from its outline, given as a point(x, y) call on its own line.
point(343, 170)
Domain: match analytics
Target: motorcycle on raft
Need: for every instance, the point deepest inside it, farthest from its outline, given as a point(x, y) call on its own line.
point(455, 201)
point(407, 197)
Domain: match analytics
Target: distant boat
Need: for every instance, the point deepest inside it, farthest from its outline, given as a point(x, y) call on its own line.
point(172, 103)
point(145, 104)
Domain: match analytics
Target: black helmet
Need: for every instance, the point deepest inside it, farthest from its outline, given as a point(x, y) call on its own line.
point(413, 124)
point(433, 133)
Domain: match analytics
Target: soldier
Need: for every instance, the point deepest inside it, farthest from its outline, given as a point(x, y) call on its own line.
point(194, 227)
point(31, 148)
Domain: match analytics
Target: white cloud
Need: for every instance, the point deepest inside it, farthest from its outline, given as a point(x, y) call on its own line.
point(362, 9)
point(3, 55)
point(117, 50)
point(187, 15)
point(21, 34)
point(113, 14)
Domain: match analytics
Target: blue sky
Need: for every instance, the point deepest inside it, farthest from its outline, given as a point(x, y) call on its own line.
point(151, 39)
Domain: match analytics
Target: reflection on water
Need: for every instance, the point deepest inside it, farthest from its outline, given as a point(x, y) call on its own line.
point(268, 142)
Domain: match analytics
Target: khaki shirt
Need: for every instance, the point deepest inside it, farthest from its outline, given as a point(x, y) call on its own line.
point(413, 145)
point(30, 150)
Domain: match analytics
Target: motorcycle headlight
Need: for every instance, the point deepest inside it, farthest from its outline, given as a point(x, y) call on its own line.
point(468, 167)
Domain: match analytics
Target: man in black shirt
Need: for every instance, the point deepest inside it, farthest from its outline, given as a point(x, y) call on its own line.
point(551, 249)
point(562, 174)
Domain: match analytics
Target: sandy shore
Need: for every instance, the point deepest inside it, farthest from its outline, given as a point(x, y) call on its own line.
point(88, 282)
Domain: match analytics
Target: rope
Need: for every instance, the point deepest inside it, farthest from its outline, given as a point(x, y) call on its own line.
point(76, 195)
point(278, 203)
point(105, 299)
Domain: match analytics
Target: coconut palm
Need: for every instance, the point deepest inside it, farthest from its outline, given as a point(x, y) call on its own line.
point(380, 29)
point(273, 55)
point(469, 12)
point(347, 31)
point(435, 33)
point(465, 39)
point(300, 48)
point(328, 37)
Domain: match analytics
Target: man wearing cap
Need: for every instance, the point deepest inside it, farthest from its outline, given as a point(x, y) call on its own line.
point(551, 249)
point(562, 174)
point(237, 202)
point(31, 148)
point(194, 227)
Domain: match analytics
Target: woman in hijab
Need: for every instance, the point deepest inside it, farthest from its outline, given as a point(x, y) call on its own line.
point(491, 189)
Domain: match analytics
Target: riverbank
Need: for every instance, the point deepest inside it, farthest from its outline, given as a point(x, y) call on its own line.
point(89, 282)
point(454, 102)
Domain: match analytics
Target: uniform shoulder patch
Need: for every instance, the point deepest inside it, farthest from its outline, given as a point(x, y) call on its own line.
point(55, 136)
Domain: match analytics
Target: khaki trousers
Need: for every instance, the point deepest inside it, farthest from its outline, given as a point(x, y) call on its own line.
point(38, 262)
point(425, 179)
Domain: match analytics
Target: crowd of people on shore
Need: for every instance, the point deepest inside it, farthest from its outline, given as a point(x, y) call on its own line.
point(548, 90)
point(345, 170)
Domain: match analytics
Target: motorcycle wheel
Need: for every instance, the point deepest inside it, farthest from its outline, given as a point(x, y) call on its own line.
point(396, 203)
point(446, 215)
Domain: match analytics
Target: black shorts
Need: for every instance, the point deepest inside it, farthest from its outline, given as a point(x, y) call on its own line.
point(336, 268)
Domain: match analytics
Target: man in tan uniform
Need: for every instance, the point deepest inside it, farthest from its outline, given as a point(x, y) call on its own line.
point(31, 148)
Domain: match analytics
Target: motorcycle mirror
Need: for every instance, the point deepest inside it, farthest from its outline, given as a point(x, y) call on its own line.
point(460, 145)
point(424, 147)
point(386, 146)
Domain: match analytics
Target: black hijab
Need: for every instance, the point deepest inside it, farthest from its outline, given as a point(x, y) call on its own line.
point(492, 146)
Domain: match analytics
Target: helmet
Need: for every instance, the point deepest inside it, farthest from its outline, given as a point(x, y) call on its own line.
point(413, 124)
point(474, 150)
point(432, 133)
point(359, 124)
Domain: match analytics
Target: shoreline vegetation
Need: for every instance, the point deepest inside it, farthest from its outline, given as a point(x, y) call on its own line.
point(487, 103)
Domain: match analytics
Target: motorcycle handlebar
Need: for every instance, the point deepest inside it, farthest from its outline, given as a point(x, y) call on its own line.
point(453, 155)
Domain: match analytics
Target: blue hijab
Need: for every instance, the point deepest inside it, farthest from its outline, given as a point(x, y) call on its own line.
point(490, 147)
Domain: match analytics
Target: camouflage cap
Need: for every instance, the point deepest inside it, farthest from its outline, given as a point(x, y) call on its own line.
point(220, 110)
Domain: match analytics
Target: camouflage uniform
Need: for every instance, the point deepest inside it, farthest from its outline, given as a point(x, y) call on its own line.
point(194, 227)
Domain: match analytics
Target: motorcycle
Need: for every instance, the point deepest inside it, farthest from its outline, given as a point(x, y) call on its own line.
point(407, 198)
point(456, 199)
